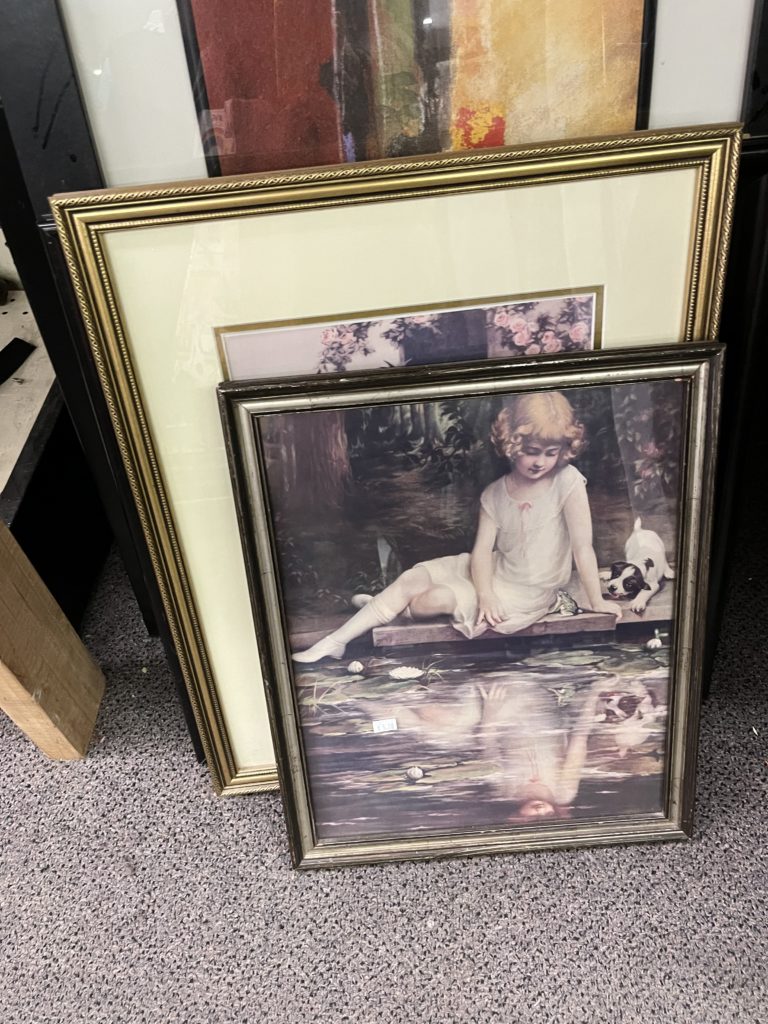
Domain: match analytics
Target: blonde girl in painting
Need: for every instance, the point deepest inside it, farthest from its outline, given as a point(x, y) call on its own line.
point(534, 523)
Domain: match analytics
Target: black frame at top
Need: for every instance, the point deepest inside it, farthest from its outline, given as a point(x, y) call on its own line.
point(645, 80)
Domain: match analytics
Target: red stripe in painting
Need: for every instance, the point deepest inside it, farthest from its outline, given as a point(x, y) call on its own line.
point(268, 68)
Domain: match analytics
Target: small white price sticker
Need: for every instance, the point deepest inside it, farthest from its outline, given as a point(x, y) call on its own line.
point(385, 725)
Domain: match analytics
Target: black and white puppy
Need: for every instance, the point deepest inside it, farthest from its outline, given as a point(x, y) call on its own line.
point(640, 577)
point(633, 715)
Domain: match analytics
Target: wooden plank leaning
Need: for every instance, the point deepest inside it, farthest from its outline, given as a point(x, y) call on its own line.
point(50, 686)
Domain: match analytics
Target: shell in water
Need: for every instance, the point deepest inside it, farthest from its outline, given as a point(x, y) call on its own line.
point(355, 667)
point(654, 643)
point(406, 672)
point(415, 773)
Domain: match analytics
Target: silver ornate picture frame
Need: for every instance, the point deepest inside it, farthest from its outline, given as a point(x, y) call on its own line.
point(413, 730)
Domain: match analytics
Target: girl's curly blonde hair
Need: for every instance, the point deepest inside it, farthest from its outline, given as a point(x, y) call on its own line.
point(545, 416)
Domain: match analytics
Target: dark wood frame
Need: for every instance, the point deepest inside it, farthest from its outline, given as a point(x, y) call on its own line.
point(743, 330)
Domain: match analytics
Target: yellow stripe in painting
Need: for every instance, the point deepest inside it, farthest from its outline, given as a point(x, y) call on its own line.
point(527, 71)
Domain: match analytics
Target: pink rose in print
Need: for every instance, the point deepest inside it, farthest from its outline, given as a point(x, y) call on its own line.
point(579, 332)
point(341, 343)
point(550, 343)
point(532, 326)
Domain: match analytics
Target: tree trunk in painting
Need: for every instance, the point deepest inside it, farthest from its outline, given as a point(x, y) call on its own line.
point(310, 458)
point(352, 80)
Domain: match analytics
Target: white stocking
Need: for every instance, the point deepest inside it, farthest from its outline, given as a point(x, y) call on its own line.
point(375, 613)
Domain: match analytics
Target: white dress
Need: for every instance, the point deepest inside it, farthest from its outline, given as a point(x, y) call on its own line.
point(532, 558)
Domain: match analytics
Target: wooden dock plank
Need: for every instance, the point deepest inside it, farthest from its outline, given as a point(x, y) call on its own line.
point(402, 632)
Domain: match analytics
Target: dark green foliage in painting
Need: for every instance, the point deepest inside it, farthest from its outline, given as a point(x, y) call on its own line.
point(633, 439)
point(442, 438)
point(416, 471)
point(648, 427)
point(458, 335)
point(342, 343)
point(447, 452)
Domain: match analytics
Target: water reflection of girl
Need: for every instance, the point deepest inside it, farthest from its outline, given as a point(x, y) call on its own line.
point(539, 766)
point(537, 751)
point(534, 523)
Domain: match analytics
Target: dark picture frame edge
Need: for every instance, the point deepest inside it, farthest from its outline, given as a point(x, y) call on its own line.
point(758, 42)
point(645, 77)
point(46, 145)
point(197, 79)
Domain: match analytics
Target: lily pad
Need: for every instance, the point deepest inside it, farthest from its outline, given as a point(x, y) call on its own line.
point(466, 772)
point(629, 664)
point(375, 689)
point(558, 658)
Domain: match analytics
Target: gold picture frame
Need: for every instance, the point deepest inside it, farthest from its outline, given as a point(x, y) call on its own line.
point(156, 269)
point(417, 746)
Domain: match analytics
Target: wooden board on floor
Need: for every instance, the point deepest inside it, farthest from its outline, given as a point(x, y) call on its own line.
point(49, 684)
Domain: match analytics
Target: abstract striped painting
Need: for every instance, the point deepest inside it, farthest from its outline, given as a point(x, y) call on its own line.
point(281, 84)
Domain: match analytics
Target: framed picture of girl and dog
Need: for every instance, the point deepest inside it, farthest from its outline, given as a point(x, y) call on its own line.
point(478, 594)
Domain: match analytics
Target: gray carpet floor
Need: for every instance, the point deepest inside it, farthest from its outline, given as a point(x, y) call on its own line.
point(131, 893)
